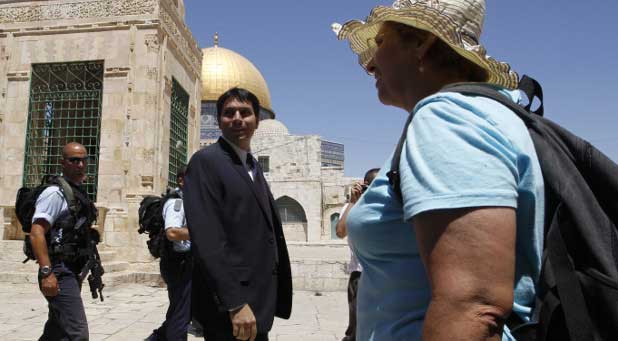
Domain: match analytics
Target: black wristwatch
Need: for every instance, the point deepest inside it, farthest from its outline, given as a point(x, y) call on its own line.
point(45, 271)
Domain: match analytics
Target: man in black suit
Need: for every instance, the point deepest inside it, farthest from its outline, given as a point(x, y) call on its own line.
point(242, 276)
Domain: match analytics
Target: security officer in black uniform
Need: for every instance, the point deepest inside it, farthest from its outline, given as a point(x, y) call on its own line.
point(61, 239)
point(176, 267)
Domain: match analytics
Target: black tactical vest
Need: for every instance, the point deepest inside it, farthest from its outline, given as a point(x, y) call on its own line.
point(70, 235)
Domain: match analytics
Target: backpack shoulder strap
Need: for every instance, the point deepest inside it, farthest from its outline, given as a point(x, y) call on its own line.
point(394, 178)
point(67, 191)
point(569, 290)
point(476, 89)
point(532, 89)
point(528, 85)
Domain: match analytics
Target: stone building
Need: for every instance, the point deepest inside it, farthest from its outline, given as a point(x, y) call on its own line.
point(127, 79)
point(120, 76)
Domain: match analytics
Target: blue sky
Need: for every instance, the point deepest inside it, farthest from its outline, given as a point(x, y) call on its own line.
point(317, 87)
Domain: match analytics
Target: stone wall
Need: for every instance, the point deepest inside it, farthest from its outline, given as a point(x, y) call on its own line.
point(144, 45)
point(296, 171)
point(319, 266)
point(291, 157)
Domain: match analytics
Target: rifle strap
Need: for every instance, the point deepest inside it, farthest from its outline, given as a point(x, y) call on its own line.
point(68, 195)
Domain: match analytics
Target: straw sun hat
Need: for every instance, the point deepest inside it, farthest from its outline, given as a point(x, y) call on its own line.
point(457, 22)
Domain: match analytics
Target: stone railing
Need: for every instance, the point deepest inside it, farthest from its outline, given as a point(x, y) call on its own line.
point(319, 266)
point(10, 228)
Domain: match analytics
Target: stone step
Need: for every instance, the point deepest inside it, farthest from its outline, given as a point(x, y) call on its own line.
point(107, 255)
point(111, 267)
point(12, 250)
point(125, 277)
point(31, 266)
point(14, 266)
point(109, 279)
point(146, 267)
point(15, 256)
point(14, 277)
point(10, 244)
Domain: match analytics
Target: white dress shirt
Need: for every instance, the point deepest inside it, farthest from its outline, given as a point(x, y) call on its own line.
point(242, 155)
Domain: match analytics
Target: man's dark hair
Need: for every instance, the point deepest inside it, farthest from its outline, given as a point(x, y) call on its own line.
point(180, 173)
point(369, 176)
point(241, 95)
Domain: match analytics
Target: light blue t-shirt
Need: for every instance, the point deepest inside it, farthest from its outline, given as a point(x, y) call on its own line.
point(174, 216)
point(460, 152)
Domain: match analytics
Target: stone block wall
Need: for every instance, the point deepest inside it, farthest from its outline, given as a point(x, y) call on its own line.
point(291, 157)
point(319, 266)
point(144, 44)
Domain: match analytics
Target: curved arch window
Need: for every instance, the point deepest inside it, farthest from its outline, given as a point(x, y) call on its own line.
point(334, 219)
point(290, 210)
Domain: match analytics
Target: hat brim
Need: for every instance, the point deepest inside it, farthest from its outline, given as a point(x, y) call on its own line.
point(361, 36)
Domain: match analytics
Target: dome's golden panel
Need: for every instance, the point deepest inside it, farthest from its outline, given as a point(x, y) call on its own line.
point(223, 69)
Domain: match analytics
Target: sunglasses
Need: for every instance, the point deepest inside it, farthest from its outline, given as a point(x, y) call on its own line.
point(77, 159)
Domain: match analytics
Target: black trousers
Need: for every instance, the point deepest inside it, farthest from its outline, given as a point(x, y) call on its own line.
point(228, 336)
point(350, 333)
point(67, 318)
point(177, 273)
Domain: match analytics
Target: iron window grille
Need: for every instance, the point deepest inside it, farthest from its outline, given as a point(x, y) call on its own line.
point(64, 106)
point(178, 132)
point(264, 162)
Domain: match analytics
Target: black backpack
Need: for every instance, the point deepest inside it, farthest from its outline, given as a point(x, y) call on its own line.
point(577, 293)
point(25, 205)
point(151, 221)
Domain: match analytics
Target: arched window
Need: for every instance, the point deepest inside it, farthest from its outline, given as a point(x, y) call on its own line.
point(290, 211)
point(334, 219)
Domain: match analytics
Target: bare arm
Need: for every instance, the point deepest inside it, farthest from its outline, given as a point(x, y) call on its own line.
point(177, 233)
point(341, 229)
point(39, 243)
point(469, 255)
point(49, 284)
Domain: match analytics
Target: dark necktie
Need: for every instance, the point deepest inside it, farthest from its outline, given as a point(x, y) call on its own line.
point(251, 164)
point(257, 178)
point(262, 191)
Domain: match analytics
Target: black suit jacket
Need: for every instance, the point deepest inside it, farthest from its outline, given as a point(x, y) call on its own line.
point(237, 241)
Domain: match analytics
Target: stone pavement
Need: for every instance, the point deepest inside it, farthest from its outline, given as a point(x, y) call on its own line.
point(132, 311)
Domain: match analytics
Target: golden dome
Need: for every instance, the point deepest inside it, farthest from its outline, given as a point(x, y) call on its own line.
point(223, 69)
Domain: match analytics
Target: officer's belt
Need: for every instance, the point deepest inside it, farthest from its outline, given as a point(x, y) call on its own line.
point(68, 251)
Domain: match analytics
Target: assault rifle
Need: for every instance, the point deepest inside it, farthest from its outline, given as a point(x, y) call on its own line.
point(93, 265)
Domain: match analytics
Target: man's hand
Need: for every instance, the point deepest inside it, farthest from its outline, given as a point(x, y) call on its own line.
point(356, 192)
point(244, 326)
point(49, 285)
